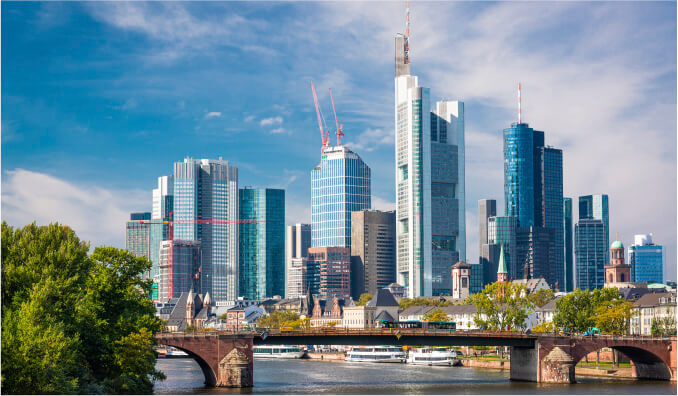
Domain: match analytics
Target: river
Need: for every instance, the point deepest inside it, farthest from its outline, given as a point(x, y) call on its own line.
point(314, 377)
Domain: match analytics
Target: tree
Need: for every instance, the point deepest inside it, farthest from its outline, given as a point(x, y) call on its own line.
point(299, 324)
point(613, 316)
point(546, 327)
point(501, 305)
point(576, 311)
point(663, 326)
point(364, 299)
point(437, 315)
point(541, 297)
point(277, 319)
point(407, 302)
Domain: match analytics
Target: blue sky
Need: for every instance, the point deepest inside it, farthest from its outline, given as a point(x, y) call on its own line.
point(99, 99)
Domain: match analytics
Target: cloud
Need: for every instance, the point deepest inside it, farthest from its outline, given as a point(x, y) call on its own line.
point(271, 121)
point(213, 114)
point(249, 118)
point(372, 139)
point(278, 130)
point(96, 214)
point(382, 204)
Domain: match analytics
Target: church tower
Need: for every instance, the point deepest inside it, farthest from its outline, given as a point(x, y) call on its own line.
point(617, 274)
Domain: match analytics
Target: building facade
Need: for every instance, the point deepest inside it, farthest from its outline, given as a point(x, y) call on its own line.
point(567, 239)
point(163, 205)
point(180, 269)
point(461, 280)
point(652, 307)
point(617, 273)
point(591, 253)
point(533, 245)
point(329, 272)
point(502, 231)
point(430, 184)
point(340, 184)
point(206, 210)
point(138, 236)
point(646, 260)
point(549, 213)
point(262, 247)
point(486, 208)
point(373, 263)
point(297, 282)
point(596, 207)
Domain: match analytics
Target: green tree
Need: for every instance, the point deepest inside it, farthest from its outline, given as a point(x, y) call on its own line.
point(663, 326)
point(364, 299)
point(541, 297)
point(576, 311)
point(407, 302)
point(299, 324)
point(277, 319)
point(613, 316)
point(546, 327)
point(436, 315)
point(501, 305)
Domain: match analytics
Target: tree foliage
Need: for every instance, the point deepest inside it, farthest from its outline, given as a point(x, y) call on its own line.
point(436, 315)
point(576, 312)
point(665, 326)
point(278, 319)
point(407, 302)
point(73, 323)
point(546, 327)
point(364, 299)
point(500, 306)
point(613, 316)
point(541, 297)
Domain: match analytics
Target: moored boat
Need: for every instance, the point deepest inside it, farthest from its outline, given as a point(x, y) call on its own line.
point(376, 354)
point(278, 352)
point(433, 356)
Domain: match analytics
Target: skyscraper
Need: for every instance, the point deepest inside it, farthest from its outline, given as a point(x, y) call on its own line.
point(430, 183)
point(596, 207)
point(262, 266)
point(567, 232)
point(138, 236)
point(297, 279)
point(533, 252)
point(372, 251)
point(163, 205)
point(206, 210)
point(646, 260)
point(297, 242)
point(486, 209)
point(591, 253)
point(520, 145)
point(179, 269)
point(549, 209)
point(340, 184)
point(502, 231)
point(329, 271)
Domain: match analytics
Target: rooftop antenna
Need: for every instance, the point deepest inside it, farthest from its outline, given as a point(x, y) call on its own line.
point(519, 111)
point(340, 128)
point(407, 34)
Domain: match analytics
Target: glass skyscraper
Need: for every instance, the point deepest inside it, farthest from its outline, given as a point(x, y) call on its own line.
point(501, 230)
point(206, 210)
point(138, 236)
point(567, 232)
point(163, 205)
point(340, 184)
point(430, 185)
point(262, 244)
point(549, 213)
point(596, 207)
point(646, 260)
point(591, 253)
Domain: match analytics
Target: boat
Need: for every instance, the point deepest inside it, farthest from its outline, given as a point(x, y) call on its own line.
point(376, 354)
point(433, 356)
point(278, 352)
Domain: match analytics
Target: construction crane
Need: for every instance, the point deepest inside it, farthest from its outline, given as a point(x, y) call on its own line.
point(170, 223)
point(340, 128)
point(324, 133)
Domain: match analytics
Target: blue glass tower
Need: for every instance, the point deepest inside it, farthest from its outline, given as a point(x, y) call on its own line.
point(591, 253)
point(262, 244)
point(567, 231)
point(646, 260)
point(596, 207)
point(340, 184)
point(549, 209)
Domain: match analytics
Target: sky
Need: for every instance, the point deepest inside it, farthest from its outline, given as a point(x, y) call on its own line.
point(99, 99)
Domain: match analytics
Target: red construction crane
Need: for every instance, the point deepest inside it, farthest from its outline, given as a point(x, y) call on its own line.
point(340, 128)
point(324, 135)
point(170, 223)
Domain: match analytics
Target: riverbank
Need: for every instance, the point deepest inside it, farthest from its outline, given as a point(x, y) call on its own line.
point(324, 356)
point(609, 371)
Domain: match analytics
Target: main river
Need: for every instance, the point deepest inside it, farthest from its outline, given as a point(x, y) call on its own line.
point(315, 377)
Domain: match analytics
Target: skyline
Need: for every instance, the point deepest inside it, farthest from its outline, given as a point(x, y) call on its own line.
point(165, 81)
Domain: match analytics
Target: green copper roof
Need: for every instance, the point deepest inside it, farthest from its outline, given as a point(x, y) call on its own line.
point(617, 245)
point(502, 262)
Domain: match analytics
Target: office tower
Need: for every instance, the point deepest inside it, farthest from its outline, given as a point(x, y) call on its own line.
point(206, 210)
point(489, 263)
point(646, 260)
point(567, 239)
point(138, 236)
point(372, 251)
point(163, 205)
point(179, 269)
point(596, 207)
point(430, 183)
point(340, 184)
point(549, 209)
point(591, 253)
point(520, 145)
point(328, 271)
point(486, 209)
point(532, 255)
point(501, 231)
point(262, 247)
point(297, 283)
point(297, 242)
point(477, 276)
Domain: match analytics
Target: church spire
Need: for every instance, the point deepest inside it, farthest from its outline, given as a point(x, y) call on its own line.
point(502, 273)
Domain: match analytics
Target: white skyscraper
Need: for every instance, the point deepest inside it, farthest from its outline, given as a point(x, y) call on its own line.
point(430, 211)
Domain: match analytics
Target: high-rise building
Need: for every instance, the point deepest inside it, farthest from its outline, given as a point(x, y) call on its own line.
point(596, 207)
point(340, 184)
point(646, 260)
point(262, 247)
point(591, 253)
point(138, 236)
point(501, 231)
point(163, 205)
point(567, 238)
point(532, 255)
point(298, 281)
point(372, 251)
point(430, 183)
point(329, 271)
point(179, 269)
point(297, 242)
point(206, 210)
point(489, 262)
point(549, 209)
point(486, 209)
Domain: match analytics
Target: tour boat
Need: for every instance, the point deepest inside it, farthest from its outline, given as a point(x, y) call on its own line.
point(376, 354)
point(436, 356)
point(278, 352)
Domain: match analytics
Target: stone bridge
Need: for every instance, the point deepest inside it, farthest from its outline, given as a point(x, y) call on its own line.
point(226, 358)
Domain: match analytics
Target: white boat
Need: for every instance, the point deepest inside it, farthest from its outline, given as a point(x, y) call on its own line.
point(278, 352)
point(376, 354)
point(172, 352)
point(433, 356)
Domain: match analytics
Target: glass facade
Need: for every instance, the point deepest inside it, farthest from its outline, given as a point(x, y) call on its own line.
point(646, 260)
point(262, 249)
point(596, 207)
point(567, 238)
point(138, 236)
point(179, 269)
point(550, 210)
point(329, 272)
point(591, 253)
point(501, 230)
point(206, 210)
point(340, 184)
point(163, 205)
point(520, 142)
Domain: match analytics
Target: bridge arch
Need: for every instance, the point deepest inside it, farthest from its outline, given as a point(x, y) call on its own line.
point(207, 371)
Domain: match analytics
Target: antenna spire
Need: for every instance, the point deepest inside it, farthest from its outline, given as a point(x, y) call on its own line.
point(519, 110)
point(407, 33)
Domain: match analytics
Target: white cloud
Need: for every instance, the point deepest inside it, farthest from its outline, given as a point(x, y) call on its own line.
point(278, 130)
point(372, 139)
point(249, 118)
point(96, 214)
point(271, 121)
point(213, 114)
point(382, 204)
